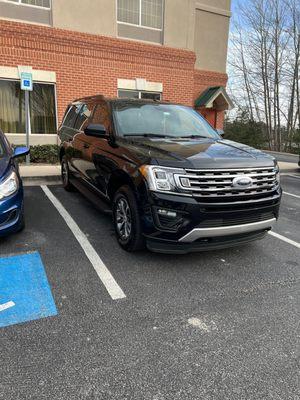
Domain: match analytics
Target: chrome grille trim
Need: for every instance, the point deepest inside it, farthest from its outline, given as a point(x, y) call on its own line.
point(231, 189)
point(217, 184)
point(228, 176)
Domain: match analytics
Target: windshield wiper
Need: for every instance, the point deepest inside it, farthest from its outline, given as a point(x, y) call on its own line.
point(195, 137)
point(151, 135)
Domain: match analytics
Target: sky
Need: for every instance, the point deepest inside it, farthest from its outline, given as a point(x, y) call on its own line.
point(235, 6)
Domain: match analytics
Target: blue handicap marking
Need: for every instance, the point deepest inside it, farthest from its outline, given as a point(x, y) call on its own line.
point(25, 294)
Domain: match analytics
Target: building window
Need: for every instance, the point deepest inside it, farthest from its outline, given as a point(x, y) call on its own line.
point(35, 3)
point(143, 13)
point(138, 94)
point(42, 108)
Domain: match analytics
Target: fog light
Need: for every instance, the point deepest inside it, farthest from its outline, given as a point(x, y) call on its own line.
point(167, 213)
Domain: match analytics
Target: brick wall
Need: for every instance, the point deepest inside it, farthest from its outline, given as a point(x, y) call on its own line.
point(90, 64)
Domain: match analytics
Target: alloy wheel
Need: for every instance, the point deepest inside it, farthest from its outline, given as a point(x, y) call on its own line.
point(123, 218)
point(65, 173)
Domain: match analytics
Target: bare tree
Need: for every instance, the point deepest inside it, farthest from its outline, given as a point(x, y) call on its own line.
point(265, 52)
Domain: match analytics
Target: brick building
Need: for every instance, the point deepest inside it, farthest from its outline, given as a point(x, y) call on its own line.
point(175, 50)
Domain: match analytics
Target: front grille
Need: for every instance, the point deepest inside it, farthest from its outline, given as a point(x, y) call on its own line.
point(236, 220)
point(216, 186)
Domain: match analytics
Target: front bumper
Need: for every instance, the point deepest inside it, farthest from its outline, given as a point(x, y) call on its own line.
point(174, 247)
point(11, 213)
point(199, 227)
point(224, 231)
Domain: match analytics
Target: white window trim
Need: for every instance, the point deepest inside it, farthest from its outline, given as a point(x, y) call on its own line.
point(55, 102)
point(37, 75)
point(135, 84)
point(140, 19)
point(19, 3)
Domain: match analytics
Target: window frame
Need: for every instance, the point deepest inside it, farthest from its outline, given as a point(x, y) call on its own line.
point(140, 93)
point(70, 107)
point(19, 3)
point(140, 18)
point(55, 107)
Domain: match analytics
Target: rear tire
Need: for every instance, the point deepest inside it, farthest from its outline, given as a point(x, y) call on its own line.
point(127, 220)
point(65, 175)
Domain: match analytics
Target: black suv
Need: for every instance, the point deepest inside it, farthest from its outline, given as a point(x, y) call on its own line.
point(172, 183)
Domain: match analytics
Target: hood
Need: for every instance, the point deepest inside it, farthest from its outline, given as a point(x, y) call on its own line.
point(197, 153)
point(4, 166)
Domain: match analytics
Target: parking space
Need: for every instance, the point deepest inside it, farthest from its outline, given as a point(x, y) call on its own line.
point(288, 224)
point(215, 325)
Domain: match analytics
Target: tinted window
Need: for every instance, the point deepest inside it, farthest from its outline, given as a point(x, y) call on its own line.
point(151, 96)
point(83, 116)
point(72, 114)
point(128, 94)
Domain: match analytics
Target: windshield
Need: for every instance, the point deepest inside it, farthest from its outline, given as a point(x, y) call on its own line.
point(161, 120)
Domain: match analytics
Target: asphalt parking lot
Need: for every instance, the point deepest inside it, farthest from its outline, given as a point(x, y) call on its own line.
point(216, 325)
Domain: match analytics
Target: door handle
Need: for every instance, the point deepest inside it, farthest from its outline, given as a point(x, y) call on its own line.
point(86, 146)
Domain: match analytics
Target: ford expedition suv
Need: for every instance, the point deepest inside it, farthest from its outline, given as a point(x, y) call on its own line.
point(172, 183)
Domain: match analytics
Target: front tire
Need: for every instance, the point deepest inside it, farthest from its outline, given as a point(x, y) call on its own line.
point(65, 175)
point(127, 220)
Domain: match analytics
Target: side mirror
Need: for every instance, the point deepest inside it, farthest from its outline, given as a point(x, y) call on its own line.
point(221, 132)
point(96, 130)
point(20, 152)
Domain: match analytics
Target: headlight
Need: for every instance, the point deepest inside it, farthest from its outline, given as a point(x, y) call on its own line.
point(9, 186)
point(161, 178)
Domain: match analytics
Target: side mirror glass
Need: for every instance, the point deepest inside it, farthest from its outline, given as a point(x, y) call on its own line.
point(96, 130)
point(220, 132)
point(20, 152)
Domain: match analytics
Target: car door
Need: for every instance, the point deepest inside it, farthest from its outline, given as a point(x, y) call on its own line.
point(68, 133)
point(81, 142)
point(101, 151)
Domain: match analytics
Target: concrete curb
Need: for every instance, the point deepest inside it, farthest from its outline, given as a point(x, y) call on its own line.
point(41, 180)
point(39, 170)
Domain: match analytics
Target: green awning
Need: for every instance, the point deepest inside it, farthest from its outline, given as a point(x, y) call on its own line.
point(215, 97)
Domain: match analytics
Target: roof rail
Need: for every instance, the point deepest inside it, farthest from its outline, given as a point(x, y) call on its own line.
point(96, 96)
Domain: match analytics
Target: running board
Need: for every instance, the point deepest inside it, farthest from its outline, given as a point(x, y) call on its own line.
point(99, 203)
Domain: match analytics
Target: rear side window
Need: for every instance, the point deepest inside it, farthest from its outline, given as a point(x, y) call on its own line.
point(72, 114)
point(83, 116)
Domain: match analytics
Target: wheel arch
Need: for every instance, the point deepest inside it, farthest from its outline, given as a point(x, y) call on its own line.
point(118, 179)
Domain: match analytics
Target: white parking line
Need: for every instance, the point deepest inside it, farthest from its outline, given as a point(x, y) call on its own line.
point(285, 239)
point(294, 176)
point(102, 271)
point(293, 195)
point(7, 305)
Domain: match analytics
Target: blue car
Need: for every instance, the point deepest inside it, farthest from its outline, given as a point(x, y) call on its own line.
point(11, 188)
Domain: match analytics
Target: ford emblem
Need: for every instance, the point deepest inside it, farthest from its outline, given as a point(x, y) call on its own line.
point(242, 182)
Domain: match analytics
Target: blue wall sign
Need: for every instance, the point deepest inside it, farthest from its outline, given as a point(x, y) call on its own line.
point(26, 81)
point(25, 294)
